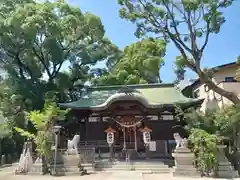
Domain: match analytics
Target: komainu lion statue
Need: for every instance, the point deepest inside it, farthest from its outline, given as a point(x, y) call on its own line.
point(180, 142)
point(73, 144)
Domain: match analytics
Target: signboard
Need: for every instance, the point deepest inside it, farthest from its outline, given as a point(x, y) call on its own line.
point(152, 146)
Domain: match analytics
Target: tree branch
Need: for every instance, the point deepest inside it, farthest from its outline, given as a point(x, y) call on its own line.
point(22, 66)
point(175, 28)
point(41, 59)
point(206, 38)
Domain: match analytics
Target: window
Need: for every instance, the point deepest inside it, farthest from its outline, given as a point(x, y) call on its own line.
point(196, 93)
point(106, 119)
point(153, 118)
point(206, 89)
point(167, 117)
point(229, 79)
point(94, 119)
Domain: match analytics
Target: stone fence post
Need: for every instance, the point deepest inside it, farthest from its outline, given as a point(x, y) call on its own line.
point(225, 169)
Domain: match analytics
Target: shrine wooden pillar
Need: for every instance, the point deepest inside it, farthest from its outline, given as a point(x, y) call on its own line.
point(124, 138)
point(86, 119)
point(135, 138)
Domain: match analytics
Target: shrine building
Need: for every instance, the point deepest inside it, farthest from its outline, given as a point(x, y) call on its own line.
point(128, 111)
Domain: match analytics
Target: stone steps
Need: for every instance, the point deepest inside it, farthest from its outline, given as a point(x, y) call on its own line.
point(74, 170)
point(156, 171)
point(137, 167)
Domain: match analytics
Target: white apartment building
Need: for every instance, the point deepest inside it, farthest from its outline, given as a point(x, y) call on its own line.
point(224, 77)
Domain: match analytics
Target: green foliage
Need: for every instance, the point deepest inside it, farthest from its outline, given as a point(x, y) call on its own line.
point(140, 63)
point(12, 115)
point(4, 129)
point(205, 150)
point(224, 121)
point(207, 130)
point(198, 120)
point(180, 74)
point(24, 133)
point(11, 107)
point(43, 121)
point(213, 127)
point(38, 38)
point(165, 17)
point(187, 24)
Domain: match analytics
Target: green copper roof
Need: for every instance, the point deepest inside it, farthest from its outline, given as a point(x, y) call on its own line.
point(153, 94)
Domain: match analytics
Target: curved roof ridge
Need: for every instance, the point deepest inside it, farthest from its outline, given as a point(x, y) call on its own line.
point(151, 95)
point(152, 85)
point(123, 96)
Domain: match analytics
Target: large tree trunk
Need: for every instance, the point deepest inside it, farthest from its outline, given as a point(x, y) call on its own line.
point(211, 85)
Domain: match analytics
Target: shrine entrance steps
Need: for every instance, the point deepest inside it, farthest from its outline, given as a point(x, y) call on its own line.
point(141, 166)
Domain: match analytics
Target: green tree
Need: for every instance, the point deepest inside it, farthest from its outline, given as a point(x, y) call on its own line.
point(180, 75)
point(227, 122)
point(12, 108)
point(206, 151)
point(4, 131)
point(43, 121)
point(139, 63)
point(38, 38)
point(187, 24)
point(213, 127)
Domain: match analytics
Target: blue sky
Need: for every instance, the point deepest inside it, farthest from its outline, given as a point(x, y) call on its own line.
point(222, 48)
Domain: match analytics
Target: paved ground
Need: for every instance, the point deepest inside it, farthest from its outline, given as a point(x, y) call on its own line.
point(7, 174)
point(102, 176)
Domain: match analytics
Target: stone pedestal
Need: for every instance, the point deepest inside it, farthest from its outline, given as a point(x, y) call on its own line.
point(58, 167)
point(184, 163)
point(3, 160)
point(147, 152)
point(73, 162)
point(225, 169)
point(39, 167)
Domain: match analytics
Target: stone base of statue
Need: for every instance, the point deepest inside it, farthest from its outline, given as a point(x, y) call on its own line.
point(73, 162)
point(57, 167)
point(184, 163)
point(39, 167)
point(225, 169)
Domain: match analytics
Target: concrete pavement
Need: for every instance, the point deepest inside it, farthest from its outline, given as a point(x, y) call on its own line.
point(104, 176)
point(7, 174)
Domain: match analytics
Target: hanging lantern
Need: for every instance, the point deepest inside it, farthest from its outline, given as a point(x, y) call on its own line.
point(110, 138)
point(110, 135)
point(146, 137)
